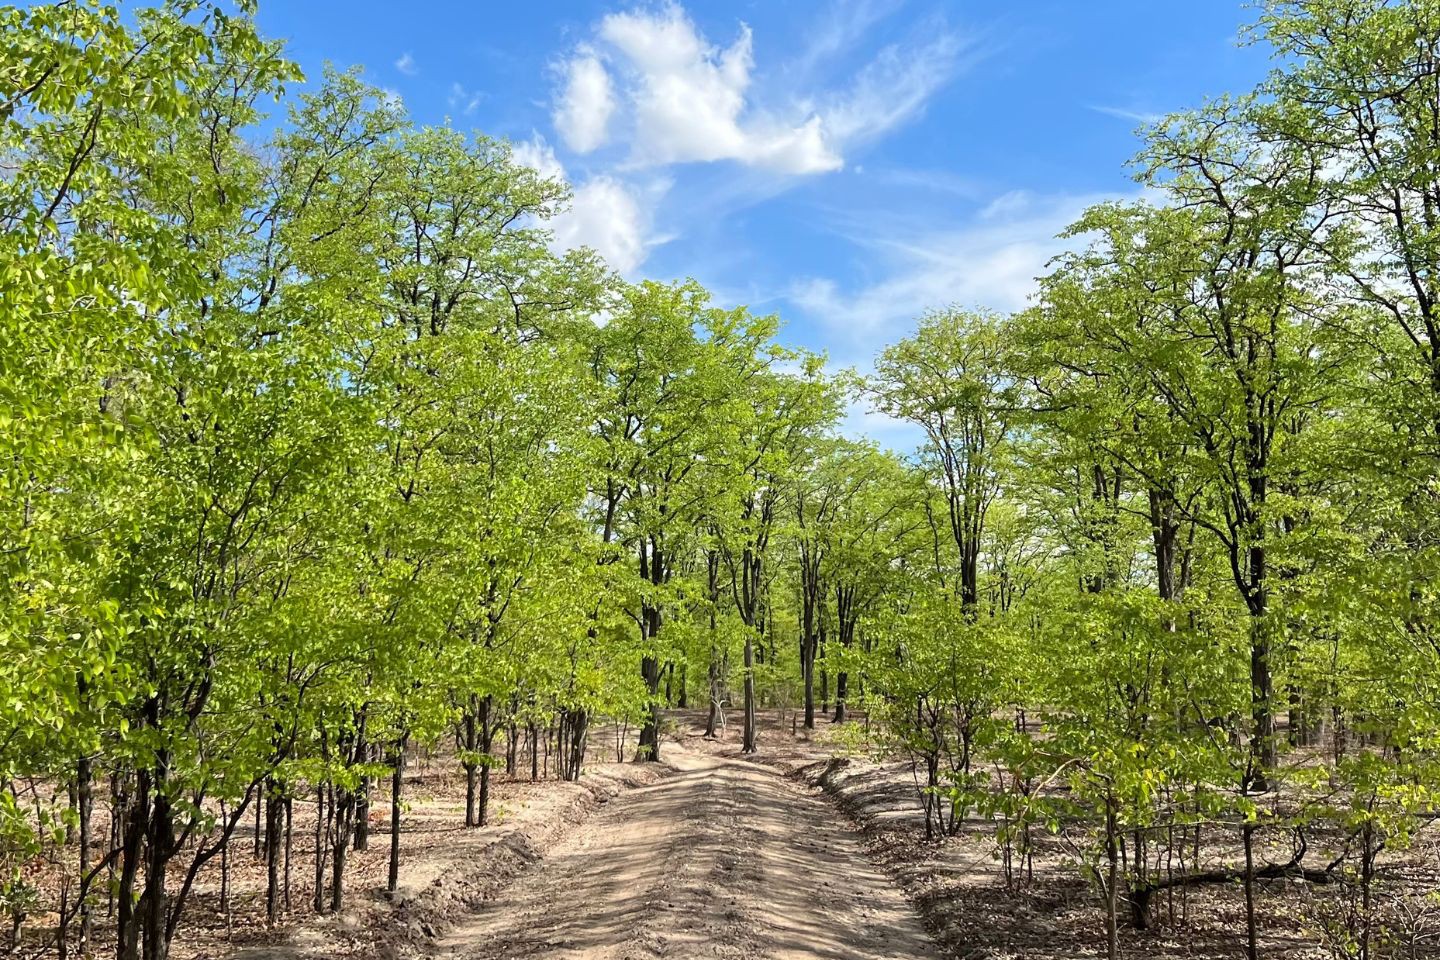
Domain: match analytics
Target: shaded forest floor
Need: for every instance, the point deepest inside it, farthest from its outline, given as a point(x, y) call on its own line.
point(446, 868)
point(958, 883)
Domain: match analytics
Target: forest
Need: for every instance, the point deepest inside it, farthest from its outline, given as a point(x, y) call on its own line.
point(321, 461)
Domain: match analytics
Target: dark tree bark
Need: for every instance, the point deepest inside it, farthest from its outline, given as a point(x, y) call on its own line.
point(84, 804)
point(649, 747)
point(487, 737)
point(397, 784)
point(322, 824)
point(846, 617)
point(470, 743)
point(362, 800)
point(654, 568)
point(342, 804)
point(274, 824)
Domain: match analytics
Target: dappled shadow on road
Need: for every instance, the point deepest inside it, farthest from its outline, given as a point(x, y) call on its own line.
point(819, 897)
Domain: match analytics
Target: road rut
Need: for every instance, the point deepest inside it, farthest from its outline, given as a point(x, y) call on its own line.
point(724, 858)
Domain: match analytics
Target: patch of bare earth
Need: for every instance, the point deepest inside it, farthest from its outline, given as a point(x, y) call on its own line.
point(724, 859)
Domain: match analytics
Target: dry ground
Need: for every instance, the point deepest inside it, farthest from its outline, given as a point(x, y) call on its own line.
point(724, 858)
point(805, 851)
point(957, 884)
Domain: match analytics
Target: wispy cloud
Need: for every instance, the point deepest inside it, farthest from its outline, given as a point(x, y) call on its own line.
point(992, 260)
point(465, 101)
point(931, 181)
point(1137, 117)
point(840, 28)
point(406, 64)
point(862, 422)
point(989, 259)
point(895, 85)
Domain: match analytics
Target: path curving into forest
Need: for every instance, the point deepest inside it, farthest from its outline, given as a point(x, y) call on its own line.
point(722, 859)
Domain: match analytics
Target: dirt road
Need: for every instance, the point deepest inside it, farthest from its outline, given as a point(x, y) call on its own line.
point(722, 859)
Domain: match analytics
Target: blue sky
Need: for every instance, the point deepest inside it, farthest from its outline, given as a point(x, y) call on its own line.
point(847, 164)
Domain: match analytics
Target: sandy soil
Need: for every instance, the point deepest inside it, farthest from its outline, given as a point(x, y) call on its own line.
point(724, 858)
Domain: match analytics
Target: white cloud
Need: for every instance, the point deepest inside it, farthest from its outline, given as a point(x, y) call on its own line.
point(582, 115)
point(646, 89)
point(687, 100)
point(466, 101)
point(992, 261)
point(839, 28)
point(1137, 117)
point(539, 156)
point(406, 64)
point(605, 214)
point(894, 87)
point(679, 98)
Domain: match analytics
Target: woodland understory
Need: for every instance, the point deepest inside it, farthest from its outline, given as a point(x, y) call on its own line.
point(320, 458)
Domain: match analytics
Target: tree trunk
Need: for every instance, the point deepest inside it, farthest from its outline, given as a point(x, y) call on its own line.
point(362, 809)
point(1112, 884)
point(322, 813)
point(649, 748)
point(289, 842)
point(225, 874)
point(397, 783)
point(824, 681)
point(534, 751)
point(471, 744)
point(1262, 736)
point(712, 719)
point(84, 804)
point(511, 753)
point(487, 736)
point(274, 823)
point(579, 734)
point(1252, 942)
point(652, 568)
point(713, 675)
point(259, 837)
point(133, 830)
point(749, 745)
point(343, 818)
point(154, 903)
point(807, 667)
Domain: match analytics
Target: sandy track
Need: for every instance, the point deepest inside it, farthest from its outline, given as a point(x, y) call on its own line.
point(722, 859)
